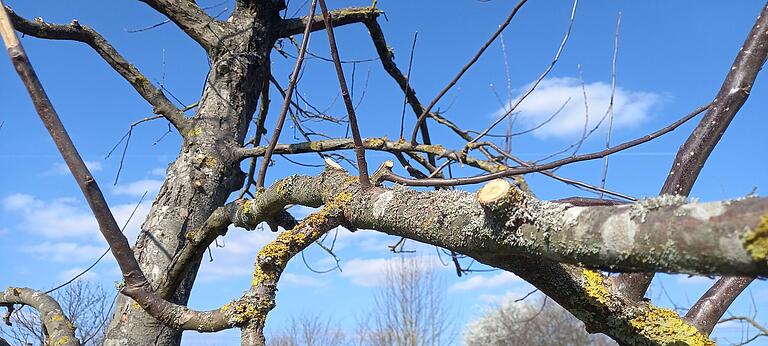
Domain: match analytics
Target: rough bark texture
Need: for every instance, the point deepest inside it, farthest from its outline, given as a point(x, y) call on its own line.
point(59, 330)
point(510, 235)
point(205, 172)
point(548, 244)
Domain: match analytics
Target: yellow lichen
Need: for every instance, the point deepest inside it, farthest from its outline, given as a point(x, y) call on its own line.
point(141, 81)
point(247, 206)
point(595, 287)
point(280, 250)
point(57, 318)
point(62, 340)
point(376, 143)
point(316, 146)
point(665, 327)
point(195, 131)
point(756, 240)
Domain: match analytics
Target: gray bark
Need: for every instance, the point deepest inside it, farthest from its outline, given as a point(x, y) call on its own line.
point(205, 172)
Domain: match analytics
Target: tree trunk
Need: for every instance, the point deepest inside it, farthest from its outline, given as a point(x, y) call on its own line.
point(205, 172)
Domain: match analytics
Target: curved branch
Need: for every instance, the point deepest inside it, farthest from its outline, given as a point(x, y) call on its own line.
point(58, 326)
point(77, 32)
point(191, 19)
point(540, 231)
point(344, 16)
point(693, 154)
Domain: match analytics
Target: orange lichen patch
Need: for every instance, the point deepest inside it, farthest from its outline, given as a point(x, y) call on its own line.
point(665, 327)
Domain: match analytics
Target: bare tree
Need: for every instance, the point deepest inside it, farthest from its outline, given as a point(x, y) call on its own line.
point(530, 322)
point(311, 330)
point(410, 308)
point(87, 304)
point(554, 245)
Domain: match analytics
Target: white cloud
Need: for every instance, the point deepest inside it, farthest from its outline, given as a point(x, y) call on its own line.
point(630, 107)
point(69, 218)
point(72, 272)
point(301, 280)
point(235, 254)
point(372, 272)
point(160, 172)
point(485, 281)
point(139, 187)
point(60, 168)
point(65, 252)
point(56, 218)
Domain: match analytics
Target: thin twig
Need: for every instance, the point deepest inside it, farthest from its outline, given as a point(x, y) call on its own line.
point(359, 150)
point(610, 103)
point(287, 99)
point(464, 69)
point(522, 170)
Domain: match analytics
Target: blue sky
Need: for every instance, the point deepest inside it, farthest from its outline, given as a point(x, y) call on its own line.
point(672, 58)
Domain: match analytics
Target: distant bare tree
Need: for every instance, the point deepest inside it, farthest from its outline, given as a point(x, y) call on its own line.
point(410, 308)
point(539, 322)
point(86, 303)
point(309, 329)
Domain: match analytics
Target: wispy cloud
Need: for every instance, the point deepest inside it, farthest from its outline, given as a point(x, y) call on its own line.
point(372, 272)
point(139, 187)
point(485, 281)
point(631, 108)
point(68, 218)
point(301, 280)
point(235, 254)
point(65, 252)
point(72, 272)
point(60, 168)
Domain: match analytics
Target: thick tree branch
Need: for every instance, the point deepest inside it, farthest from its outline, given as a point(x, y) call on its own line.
point(191, 19)
point(693, 154)
point(344, 16)
point(59, 328)
point(520, 234)
point(77, 32)
point(660, 234)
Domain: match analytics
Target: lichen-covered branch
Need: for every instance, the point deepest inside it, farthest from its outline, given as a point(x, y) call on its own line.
point(660, 234)
point(380, 144)
point(344, 16)
point(59, 328)
point(81, 33)
point(514, 232)
point(250, 311)
point(691, 157)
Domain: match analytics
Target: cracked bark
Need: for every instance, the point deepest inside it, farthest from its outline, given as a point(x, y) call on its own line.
point(526, 236)
point(205, 172)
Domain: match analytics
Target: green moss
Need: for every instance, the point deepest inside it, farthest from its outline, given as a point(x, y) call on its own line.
point(756, 240)
point(665, 327)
